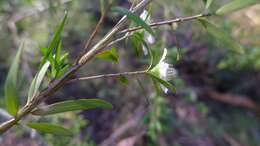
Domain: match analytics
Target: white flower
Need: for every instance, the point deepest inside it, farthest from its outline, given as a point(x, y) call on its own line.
point(145, 16)
point(147, 36)
point(145, 50)
point(164, 70)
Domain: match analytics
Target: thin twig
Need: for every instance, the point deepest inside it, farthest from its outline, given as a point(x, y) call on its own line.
point(114, 75)
point(167, 22)
point(155, 25)
point(118, 40)
point(94, 33)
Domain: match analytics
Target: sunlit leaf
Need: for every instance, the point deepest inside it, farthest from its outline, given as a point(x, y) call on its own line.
point(236, 5)
point(109, 55)
point(156, 55)
point(60, 64)
point(37, 80)
point(133, 17)
point(208, 3)
point(43, 50)
point(72, 105)
point(49, 128)
point(11, 93)
point(55, 39)
point(222, 36)
point(58, 52)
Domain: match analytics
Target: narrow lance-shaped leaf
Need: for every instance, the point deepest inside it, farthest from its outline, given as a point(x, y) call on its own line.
point(133, 17)
point(150, 54)
point(11, 93)
point(72, 105)
point(55, 39)
point(222, 36)
point(36, 82)
point(142, 88)
point(163, 82)
point(156, 56)
point(137, 39)
point(208, 3)
point(49, 128)
point(58, 52)
point(236, 5)
point(109, 55)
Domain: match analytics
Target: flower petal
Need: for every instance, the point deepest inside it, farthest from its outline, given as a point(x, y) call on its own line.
point(145, 50)
point(149, 38)
point(145, 15)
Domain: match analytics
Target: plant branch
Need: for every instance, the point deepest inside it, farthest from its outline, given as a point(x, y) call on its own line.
point(118, 40)
point(106, 40)
point(94, 33)
point(114, 75)
point(155, 25)
point(167, 22)
point(60, 82)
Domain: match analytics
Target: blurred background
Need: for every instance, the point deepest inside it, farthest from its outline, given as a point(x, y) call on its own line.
point(217, 91)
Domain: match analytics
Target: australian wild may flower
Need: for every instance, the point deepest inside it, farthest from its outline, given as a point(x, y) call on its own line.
point(164, 70)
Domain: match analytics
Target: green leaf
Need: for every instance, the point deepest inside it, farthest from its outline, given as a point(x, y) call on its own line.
point(142, 88)
point(36, 82)
point(64, 58)
point(235, 5)
point(109, 55)
point(43, 50)
point(60, 62)
point(58, 52)
point(133, 17)
point(137, 39)
point(11, 93)
point(163, 82)
point(222, 36)
point(156, 55)
point(72, 105)
point(49, 128)
point(208, 3)
point(150, 54)
point(123, 79)
point(55, 39)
